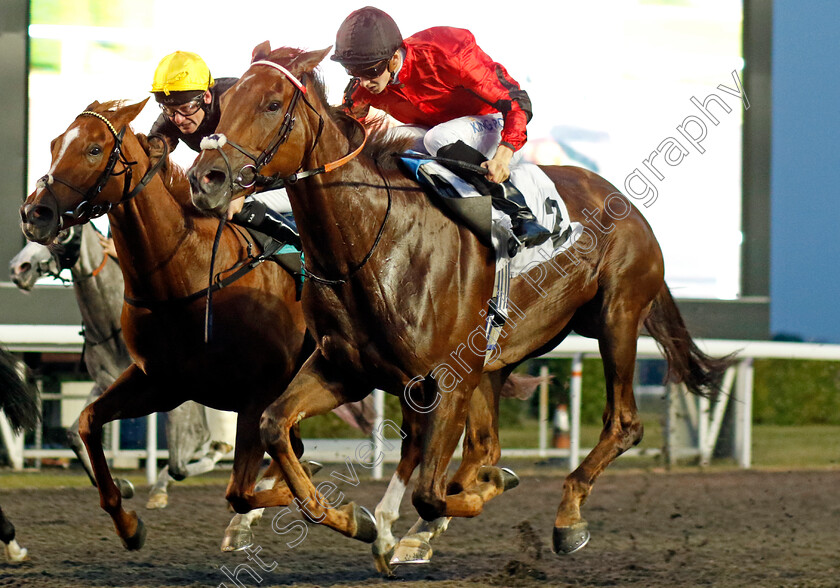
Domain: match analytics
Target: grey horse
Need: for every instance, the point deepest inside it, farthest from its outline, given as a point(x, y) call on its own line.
point(98, 284)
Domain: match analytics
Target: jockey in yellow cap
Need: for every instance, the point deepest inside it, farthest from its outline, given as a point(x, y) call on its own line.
point(189, 98)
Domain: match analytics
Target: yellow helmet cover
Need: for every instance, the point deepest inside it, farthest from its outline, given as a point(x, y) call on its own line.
point(181, 71)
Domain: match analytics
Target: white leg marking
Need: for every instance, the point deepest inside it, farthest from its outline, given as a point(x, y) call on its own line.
point(388, 511)
point(15, 552)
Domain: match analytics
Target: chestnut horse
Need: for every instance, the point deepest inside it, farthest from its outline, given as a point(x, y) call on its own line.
point(396, 291)
point(164, 245)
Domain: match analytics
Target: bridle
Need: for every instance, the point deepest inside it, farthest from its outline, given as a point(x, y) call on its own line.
point(249, 174)
point(87, 209)
point(67, 250)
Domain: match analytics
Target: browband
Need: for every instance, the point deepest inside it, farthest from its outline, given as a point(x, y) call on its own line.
point(285, 72)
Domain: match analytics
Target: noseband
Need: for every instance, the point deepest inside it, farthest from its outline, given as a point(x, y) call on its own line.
point(249, 174)
point(87, 209)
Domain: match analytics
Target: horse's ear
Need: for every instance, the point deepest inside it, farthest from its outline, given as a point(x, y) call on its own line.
point(128, 113)
point(261, 51)
point(92, 105)
point(308, 61)
point(134, 109)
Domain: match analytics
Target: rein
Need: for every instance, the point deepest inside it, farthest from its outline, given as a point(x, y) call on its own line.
point(244, 268)
point(338, 282)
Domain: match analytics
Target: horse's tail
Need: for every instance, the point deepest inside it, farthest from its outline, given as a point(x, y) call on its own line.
point(521, 386)
point(18, 395)
point(701, 373)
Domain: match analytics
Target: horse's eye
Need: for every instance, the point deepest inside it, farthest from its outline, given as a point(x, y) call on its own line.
point(273, 106)
point(95, 150)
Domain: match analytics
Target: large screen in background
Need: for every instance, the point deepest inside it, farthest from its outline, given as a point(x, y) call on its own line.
point(647, 93)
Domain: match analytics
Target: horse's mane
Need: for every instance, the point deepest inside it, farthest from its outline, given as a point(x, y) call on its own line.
point(380, 146)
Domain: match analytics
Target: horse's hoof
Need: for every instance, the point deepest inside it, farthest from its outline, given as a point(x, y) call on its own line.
point(157, 500)
point(15, 553)
point(382, 559)
point(412, 550)
point(311, 467)
point(364, 522)
point(125, 487)
point(509, 479)
point(221, 447)
point(237, 539)
point(504, 478)
point(568, 540)
point(136, 541)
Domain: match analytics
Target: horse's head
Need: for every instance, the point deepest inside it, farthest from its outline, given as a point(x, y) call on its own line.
point(35, 261)
point(81, 183)
point(31, 262)
point(266, 128)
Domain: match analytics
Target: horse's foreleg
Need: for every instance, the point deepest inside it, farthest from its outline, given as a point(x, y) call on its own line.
point(238, 534)
point(159, 497)
point(75, 443)
point(388, 510)
point(622, 429)
point(132, 395)
point(481, 439)
point(443, 430)
point(475, 481)
point(246, 461)
point(315, 390)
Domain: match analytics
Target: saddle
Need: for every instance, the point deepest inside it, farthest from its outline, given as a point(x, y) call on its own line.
point(475, 211)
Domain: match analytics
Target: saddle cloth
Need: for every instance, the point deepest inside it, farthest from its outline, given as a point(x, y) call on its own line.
point(539, 192)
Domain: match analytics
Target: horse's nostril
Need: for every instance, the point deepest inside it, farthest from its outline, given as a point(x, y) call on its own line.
point(214, 178)
point(41, 213)
point(23, 268)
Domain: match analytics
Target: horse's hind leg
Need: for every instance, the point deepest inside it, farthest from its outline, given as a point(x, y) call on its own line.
point(622, 426)
point(14, 552)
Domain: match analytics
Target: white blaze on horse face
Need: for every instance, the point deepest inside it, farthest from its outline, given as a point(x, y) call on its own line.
point(68, 138)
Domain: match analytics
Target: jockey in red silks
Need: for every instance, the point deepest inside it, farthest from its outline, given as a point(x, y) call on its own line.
point(440, 79)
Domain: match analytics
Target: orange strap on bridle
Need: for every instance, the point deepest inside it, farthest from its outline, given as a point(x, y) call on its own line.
point(101, 266)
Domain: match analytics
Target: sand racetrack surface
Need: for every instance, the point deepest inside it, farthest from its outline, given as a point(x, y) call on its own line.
point(735, 528)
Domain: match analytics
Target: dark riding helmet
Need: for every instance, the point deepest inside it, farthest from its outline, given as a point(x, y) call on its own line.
point(366, 36)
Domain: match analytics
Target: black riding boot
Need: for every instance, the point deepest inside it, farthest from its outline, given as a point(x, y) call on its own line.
point(505, 196)
point(256, 215)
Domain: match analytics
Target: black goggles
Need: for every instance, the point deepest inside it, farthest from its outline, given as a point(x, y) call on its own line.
point(368, 72)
